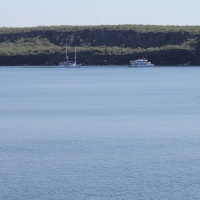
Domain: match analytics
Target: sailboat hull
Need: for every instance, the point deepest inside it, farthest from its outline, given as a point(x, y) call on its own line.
point(73, 66)
point(69, 66)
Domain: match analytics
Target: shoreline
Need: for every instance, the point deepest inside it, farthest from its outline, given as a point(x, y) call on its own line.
point(99, 66)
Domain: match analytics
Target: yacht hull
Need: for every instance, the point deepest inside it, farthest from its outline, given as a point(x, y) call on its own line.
point(141, 65)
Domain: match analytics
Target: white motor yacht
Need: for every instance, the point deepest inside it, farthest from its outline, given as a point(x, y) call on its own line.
point(140, 63)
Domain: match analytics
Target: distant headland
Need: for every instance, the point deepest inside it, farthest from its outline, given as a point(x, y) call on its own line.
point(100, 45)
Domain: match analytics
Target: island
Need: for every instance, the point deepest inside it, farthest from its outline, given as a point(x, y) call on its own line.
point(100, 45)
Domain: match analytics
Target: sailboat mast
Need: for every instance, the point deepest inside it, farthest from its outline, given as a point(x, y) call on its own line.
point(75, 54)
point(66, 53)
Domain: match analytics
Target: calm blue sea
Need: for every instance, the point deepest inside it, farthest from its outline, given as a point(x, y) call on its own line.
point(100, 133)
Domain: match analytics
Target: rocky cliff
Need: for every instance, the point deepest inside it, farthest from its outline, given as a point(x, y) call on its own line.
point(100, 45)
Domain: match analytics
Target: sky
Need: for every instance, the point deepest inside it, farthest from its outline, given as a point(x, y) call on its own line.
point(31, 13)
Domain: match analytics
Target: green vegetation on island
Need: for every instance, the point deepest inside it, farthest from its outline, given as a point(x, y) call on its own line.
point(100, 45)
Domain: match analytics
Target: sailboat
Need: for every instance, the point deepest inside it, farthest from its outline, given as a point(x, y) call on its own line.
point(67, 63)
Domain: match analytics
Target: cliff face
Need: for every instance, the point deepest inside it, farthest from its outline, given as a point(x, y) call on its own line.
point(100, 45)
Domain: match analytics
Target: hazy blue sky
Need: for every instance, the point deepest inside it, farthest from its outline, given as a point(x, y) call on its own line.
point(23, 13)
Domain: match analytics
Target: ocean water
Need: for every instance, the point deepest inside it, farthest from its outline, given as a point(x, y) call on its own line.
point(100, 133)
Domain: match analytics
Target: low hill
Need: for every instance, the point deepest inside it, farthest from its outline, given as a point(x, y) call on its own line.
point(100, 45)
